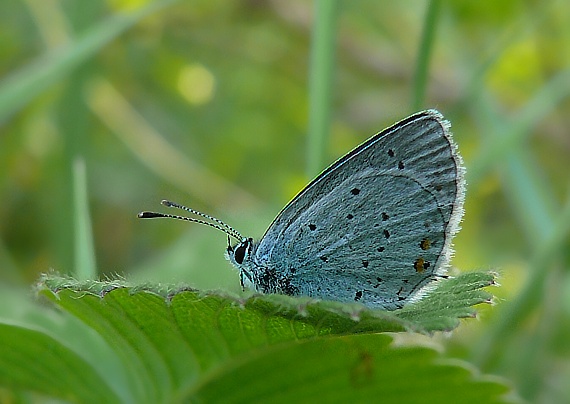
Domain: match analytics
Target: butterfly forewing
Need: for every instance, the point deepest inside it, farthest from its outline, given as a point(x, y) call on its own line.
point(377, 224)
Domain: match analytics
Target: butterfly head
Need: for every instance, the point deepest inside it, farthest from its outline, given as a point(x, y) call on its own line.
point(241, 252)
point(240, 257)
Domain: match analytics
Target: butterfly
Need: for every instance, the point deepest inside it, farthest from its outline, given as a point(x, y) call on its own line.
point(375, 227)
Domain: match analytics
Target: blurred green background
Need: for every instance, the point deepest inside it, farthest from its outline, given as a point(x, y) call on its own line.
point(117, 104)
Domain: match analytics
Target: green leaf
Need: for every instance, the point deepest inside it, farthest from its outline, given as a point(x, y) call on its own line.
point(353, 368)
point(450, 300)
point(444, 303)
point(178, 344)
point(31, 359)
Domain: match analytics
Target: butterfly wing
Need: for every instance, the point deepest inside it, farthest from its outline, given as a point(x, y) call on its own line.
point(376, 225)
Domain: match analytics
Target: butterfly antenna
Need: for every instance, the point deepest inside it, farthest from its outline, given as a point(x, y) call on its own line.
point(212, 218)
point(218, 224)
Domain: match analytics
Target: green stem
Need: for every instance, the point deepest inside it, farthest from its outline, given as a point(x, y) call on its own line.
point(320, 82)
point(85, 267)
point(424, 53)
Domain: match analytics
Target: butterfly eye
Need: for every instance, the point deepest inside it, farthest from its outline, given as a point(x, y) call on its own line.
point(242, 249)
point(239, 253)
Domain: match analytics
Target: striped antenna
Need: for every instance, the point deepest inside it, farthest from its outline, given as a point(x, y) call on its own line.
point(218, 224)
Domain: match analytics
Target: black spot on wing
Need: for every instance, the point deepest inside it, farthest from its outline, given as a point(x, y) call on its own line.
point(420, 265)
point(425, 244)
